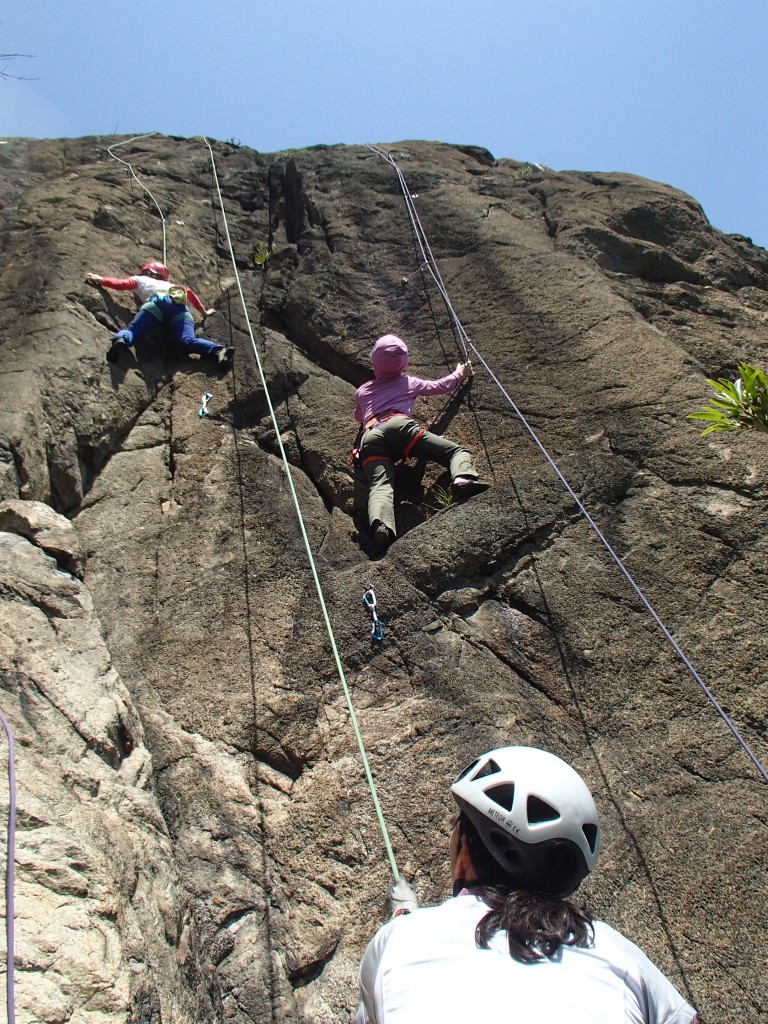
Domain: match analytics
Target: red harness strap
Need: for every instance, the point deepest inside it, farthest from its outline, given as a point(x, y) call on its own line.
point(410, 445)
point(385, 458)
point(375, 458)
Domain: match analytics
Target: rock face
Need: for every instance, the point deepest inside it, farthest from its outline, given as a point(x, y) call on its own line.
point(196, 837)
point(102, 922)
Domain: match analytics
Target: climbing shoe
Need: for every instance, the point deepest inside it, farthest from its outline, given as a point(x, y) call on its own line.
point(225, 355)
point(382, 538)
point(118, 345)
point(464, 487)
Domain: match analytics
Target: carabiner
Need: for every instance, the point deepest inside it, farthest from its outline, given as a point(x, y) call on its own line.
point(369, 600)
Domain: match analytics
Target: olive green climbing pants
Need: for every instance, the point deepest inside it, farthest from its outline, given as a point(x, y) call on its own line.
point(394, 439)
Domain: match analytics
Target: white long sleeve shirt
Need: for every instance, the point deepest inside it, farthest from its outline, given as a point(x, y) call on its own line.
point(425, 968)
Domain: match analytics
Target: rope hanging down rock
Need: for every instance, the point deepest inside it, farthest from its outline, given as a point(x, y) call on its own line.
point(9, 876)
point(125, 163)
point(203, 413)
point(305, 538)
point(431, 266)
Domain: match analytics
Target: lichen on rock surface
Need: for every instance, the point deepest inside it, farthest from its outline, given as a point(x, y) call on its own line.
point(196, 839)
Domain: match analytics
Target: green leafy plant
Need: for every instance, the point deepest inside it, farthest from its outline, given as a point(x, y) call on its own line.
point(528, 170)
point(741, 404)
point(441, 497)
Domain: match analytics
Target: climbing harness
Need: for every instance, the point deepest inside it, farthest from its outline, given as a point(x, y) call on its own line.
point(305, 538)
point(9, 875)
point(429, 262)
point(369, 600)
point(203, 411)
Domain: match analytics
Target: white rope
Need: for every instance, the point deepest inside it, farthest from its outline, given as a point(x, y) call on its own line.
point(431, 266)
point(302, 528)
point(125, 163)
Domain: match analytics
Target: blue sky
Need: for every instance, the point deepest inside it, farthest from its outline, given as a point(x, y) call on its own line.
point(674, 90)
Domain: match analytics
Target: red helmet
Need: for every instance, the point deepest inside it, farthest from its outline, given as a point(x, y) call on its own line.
point(156, 268)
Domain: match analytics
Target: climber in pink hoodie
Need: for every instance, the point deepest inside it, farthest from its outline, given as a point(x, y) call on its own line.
point(383, 407)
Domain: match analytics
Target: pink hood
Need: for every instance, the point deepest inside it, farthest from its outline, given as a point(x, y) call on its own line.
point(389, 356)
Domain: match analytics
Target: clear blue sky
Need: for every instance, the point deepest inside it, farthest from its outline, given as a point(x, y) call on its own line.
point(674, 90)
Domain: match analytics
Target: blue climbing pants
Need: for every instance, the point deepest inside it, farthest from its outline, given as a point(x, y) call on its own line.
point(176, 318)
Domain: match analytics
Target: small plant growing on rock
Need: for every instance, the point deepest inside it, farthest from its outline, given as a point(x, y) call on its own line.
point(441, 499)
point(529, 169)
point(261, 254)
point(740, 405)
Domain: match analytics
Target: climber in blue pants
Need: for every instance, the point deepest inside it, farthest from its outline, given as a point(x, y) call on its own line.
point(161, 309)
point(163, 304)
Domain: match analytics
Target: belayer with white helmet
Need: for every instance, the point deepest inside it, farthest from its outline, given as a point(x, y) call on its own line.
point(162, 303)
point(511, 947)
point(383, 407)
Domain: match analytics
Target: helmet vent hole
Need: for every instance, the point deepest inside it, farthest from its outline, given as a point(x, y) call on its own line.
point(590, 832)
point(503, 795)
point(489, 768)
point(467, 770)
point(540, 811)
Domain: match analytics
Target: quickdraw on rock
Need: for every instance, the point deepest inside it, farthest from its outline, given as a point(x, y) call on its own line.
point(369, 600)
point(203, 411)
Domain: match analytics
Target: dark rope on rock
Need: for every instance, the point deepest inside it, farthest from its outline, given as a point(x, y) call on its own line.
point(570, 669)
point(308, 547)
point(266, 881)
point(421, 246)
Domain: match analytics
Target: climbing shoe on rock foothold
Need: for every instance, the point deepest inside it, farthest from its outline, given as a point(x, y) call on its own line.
point(118, 345)
point(224, 355)
point(467, 486)
point(382, 538)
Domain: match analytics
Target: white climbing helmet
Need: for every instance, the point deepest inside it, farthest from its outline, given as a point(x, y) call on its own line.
point(535, 816)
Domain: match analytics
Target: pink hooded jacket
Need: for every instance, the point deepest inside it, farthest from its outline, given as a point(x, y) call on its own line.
point(393, 390)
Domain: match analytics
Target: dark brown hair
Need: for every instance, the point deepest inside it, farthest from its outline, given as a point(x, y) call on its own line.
point(537, 924)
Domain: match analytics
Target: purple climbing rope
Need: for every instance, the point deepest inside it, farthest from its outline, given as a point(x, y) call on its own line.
point(9, 874)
